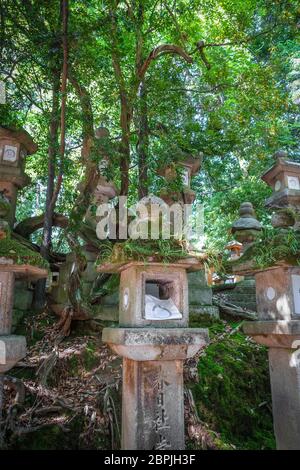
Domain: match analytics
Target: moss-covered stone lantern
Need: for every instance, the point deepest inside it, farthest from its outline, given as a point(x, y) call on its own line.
point(284, 179)
point(154, 339)
point(16, 260)
point(189, 167)
point(274, 261)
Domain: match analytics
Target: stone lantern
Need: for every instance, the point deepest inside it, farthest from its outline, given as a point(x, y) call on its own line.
point(235, 249)
point(284, 179)
point(15, 145)
point(278, 308)
point(278, 328)
point(200, 294)
point(190, 166)
point(153, 339)
point(247, 228)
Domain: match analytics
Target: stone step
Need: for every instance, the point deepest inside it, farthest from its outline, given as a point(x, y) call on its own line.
point(242, 289)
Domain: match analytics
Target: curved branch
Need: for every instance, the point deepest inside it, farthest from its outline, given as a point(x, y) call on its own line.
point(162, 50)
point(32, 224)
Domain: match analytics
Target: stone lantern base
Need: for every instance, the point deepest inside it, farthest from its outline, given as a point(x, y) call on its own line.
point(152, 401)
point(12, 350)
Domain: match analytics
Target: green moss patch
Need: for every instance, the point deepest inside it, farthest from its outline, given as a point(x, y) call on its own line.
point(233, 394)
point(141, 250)
point(274, 245)
point(20, 254)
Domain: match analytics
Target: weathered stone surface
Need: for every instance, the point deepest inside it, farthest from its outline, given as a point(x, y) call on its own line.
point(285, 198)
point(152, 413)
point(151, 344)
point(12, 350)
point(277, 293)
point(200, 295)
point(23, 296)
point(153, 352)
point(285, 384)
point(152, 394)
point(133, 290)
point(197, 278)
point(247, 220)
point(275, 334)
point(7, 280)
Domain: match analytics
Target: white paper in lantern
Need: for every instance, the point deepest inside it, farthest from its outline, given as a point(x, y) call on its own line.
point(158, 309)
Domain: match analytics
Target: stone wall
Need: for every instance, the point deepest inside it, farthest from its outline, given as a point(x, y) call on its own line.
point(242, 295)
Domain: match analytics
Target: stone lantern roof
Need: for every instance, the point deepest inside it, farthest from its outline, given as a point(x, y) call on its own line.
point(281, 166)
point(247, 220)
point(19, 135)
point(193, 163)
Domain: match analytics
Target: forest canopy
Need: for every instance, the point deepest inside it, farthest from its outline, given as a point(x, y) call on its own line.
point(163, 78)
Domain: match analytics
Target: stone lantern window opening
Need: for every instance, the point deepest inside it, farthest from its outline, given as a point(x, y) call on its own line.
point(161, 299)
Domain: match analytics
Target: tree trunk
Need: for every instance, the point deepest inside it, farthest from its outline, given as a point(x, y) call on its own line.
point(39, 292)
point(52, 193)
point(143, 141)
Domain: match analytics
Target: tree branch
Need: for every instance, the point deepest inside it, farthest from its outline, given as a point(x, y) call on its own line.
point(162, 50)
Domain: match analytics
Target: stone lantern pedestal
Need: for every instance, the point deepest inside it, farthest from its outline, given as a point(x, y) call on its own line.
point(153, 340)
point(278, 328)
point(277, 294)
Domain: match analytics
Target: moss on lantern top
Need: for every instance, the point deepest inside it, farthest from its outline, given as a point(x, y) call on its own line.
point(275, 246)
point(20, 254)
point(160, 250)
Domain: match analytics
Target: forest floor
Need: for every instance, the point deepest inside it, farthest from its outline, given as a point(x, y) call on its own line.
point(73, 386)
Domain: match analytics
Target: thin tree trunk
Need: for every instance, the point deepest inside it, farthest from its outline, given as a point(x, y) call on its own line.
point(39, 293)
point(52, 193)
point(64, 79)
point(143, 141)
point(91, 176)
point(126, 106)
